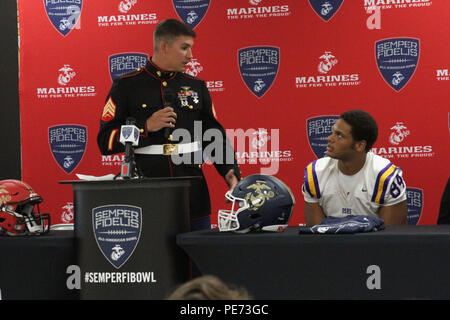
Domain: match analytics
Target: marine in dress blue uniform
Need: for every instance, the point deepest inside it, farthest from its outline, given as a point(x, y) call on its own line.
point(139, 95)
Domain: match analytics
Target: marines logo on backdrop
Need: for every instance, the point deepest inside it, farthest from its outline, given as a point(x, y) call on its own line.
point(128, 14)
point(258, 67)
point(398, 135)
point(259, 9)
point(325, 78)
point(64, 16)
point(69, 86)
point(67, 144)
point(414, 197)
point(326, 9)
point(117, 230)
point(318, 129)
point(397, 4)
point(258, 149)
point(397, 60)
point(191, 12)
point(122, 63)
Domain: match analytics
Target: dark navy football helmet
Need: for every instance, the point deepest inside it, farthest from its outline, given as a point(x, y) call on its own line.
point(259, 202)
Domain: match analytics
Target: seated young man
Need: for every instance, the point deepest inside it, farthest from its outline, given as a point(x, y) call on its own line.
point(351, 180)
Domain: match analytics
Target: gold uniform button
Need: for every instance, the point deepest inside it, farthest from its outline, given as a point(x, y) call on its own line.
point(158, 73)
point(144, 105)
point(191, 107)
point(138, 69)
point(164, 84)
point(141, 130)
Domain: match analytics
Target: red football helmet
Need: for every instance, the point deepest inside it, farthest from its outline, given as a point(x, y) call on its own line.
point(17, 214)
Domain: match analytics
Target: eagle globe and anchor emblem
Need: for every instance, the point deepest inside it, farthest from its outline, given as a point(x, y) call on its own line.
point(260, 193)
point(66, 75)
point(399, 134)
point(328, 61)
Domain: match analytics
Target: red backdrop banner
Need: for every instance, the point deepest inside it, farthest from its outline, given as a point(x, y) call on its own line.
point(279, 73)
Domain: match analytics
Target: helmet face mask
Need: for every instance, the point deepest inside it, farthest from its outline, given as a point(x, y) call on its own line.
point(17, 210)
point(259, 202)
point(227, 219)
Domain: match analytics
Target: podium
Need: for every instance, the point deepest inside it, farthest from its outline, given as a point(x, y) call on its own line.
point(125, 236)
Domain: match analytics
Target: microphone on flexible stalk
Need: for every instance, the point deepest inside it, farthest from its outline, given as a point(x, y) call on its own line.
point(129, 136)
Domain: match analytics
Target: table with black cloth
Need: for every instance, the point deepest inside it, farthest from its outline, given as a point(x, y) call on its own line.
point(35, 267)
point(399, 262)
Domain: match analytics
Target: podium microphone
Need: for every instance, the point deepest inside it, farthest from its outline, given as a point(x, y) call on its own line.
point(129, 136)
point(169, 98)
